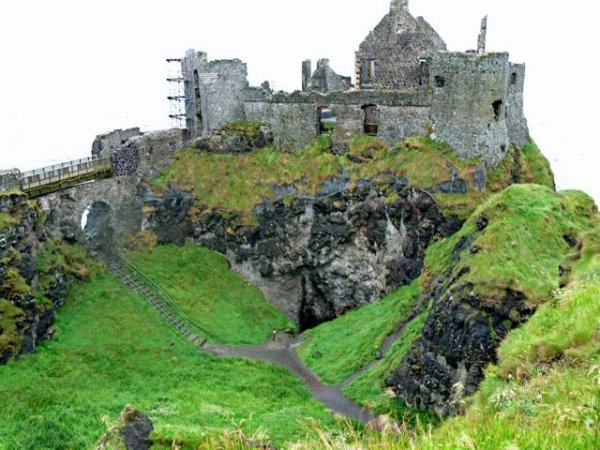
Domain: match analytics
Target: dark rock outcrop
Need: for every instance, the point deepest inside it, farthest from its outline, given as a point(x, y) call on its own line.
point(27, 303)
point(459, 340)
point(317, 257)
point(170, 216)
point(132, 431)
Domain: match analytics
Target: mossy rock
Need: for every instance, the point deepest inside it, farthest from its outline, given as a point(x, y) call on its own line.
point(239, 183)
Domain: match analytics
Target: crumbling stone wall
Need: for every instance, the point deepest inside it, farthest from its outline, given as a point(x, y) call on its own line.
point(518, 130)
point(148, 152)
point(156, 149)
point(294, 118)
point(140, 156)
point(470, 96)
point(10, 179)
point(398, 123)
point(122, 194)
point(125, 160)
point(325, 79)
point(105, 144)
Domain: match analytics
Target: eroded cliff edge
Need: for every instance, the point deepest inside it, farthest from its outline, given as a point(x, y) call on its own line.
point(34, 266)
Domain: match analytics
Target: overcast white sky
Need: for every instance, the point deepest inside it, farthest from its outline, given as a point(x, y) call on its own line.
point(75, 69)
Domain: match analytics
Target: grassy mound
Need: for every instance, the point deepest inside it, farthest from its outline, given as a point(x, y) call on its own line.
point(112, 349)
point(545, 390)
point(337, 349)
point(527, 228)
point(240, 182)
point(228, 308)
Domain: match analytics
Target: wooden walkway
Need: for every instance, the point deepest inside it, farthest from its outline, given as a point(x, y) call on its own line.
point(65, 175)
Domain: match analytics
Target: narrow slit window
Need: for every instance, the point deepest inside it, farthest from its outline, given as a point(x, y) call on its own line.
point(497, 105)
point(371, 70)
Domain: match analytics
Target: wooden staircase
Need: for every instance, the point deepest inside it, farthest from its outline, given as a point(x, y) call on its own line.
point(131, 277)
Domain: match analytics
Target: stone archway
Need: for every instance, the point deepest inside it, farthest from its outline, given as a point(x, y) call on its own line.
point(97, 226)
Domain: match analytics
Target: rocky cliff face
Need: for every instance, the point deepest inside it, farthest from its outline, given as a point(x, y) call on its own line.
point(458, 341)
point(489, 278)
point(30, 289)
point(316, 257)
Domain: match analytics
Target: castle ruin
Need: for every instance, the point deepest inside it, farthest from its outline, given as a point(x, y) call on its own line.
point(406, 83)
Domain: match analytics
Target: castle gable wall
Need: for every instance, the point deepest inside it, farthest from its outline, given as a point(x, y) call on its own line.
point(391, 57)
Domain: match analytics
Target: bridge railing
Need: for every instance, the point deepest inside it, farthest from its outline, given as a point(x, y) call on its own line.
point(61, 176)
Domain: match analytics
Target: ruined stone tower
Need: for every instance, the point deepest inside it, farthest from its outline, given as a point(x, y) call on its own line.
point(397, 6)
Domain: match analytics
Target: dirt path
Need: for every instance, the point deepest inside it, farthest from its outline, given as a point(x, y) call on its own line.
point(282, 351)
point(387, 344)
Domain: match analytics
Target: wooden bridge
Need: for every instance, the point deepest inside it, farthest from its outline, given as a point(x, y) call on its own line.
point(65, 175)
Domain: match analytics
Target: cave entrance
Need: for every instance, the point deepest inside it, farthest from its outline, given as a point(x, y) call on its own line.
point(96, 224)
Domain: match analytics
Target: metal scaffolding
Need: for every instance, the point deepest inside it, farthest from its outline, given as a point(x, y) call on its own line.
point(176, 95)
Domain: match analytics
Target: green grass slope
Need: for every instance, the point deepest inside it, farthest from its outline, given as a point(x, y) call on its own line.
point(112, 349)
point(522, 246)
point(369, 388)
point(199, 281)
point(335, 350)
point(523, 243)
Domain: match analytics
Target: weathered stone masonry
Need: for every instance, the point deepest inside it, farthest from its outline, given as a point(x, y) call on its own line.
point(405, 83)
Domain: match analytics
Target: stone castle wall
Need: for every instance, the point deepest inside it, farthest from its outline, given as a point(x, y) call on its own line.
point(106, 143)
point(294, 118)
point(325, 79)
point(392, 56)
point(10, 180)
